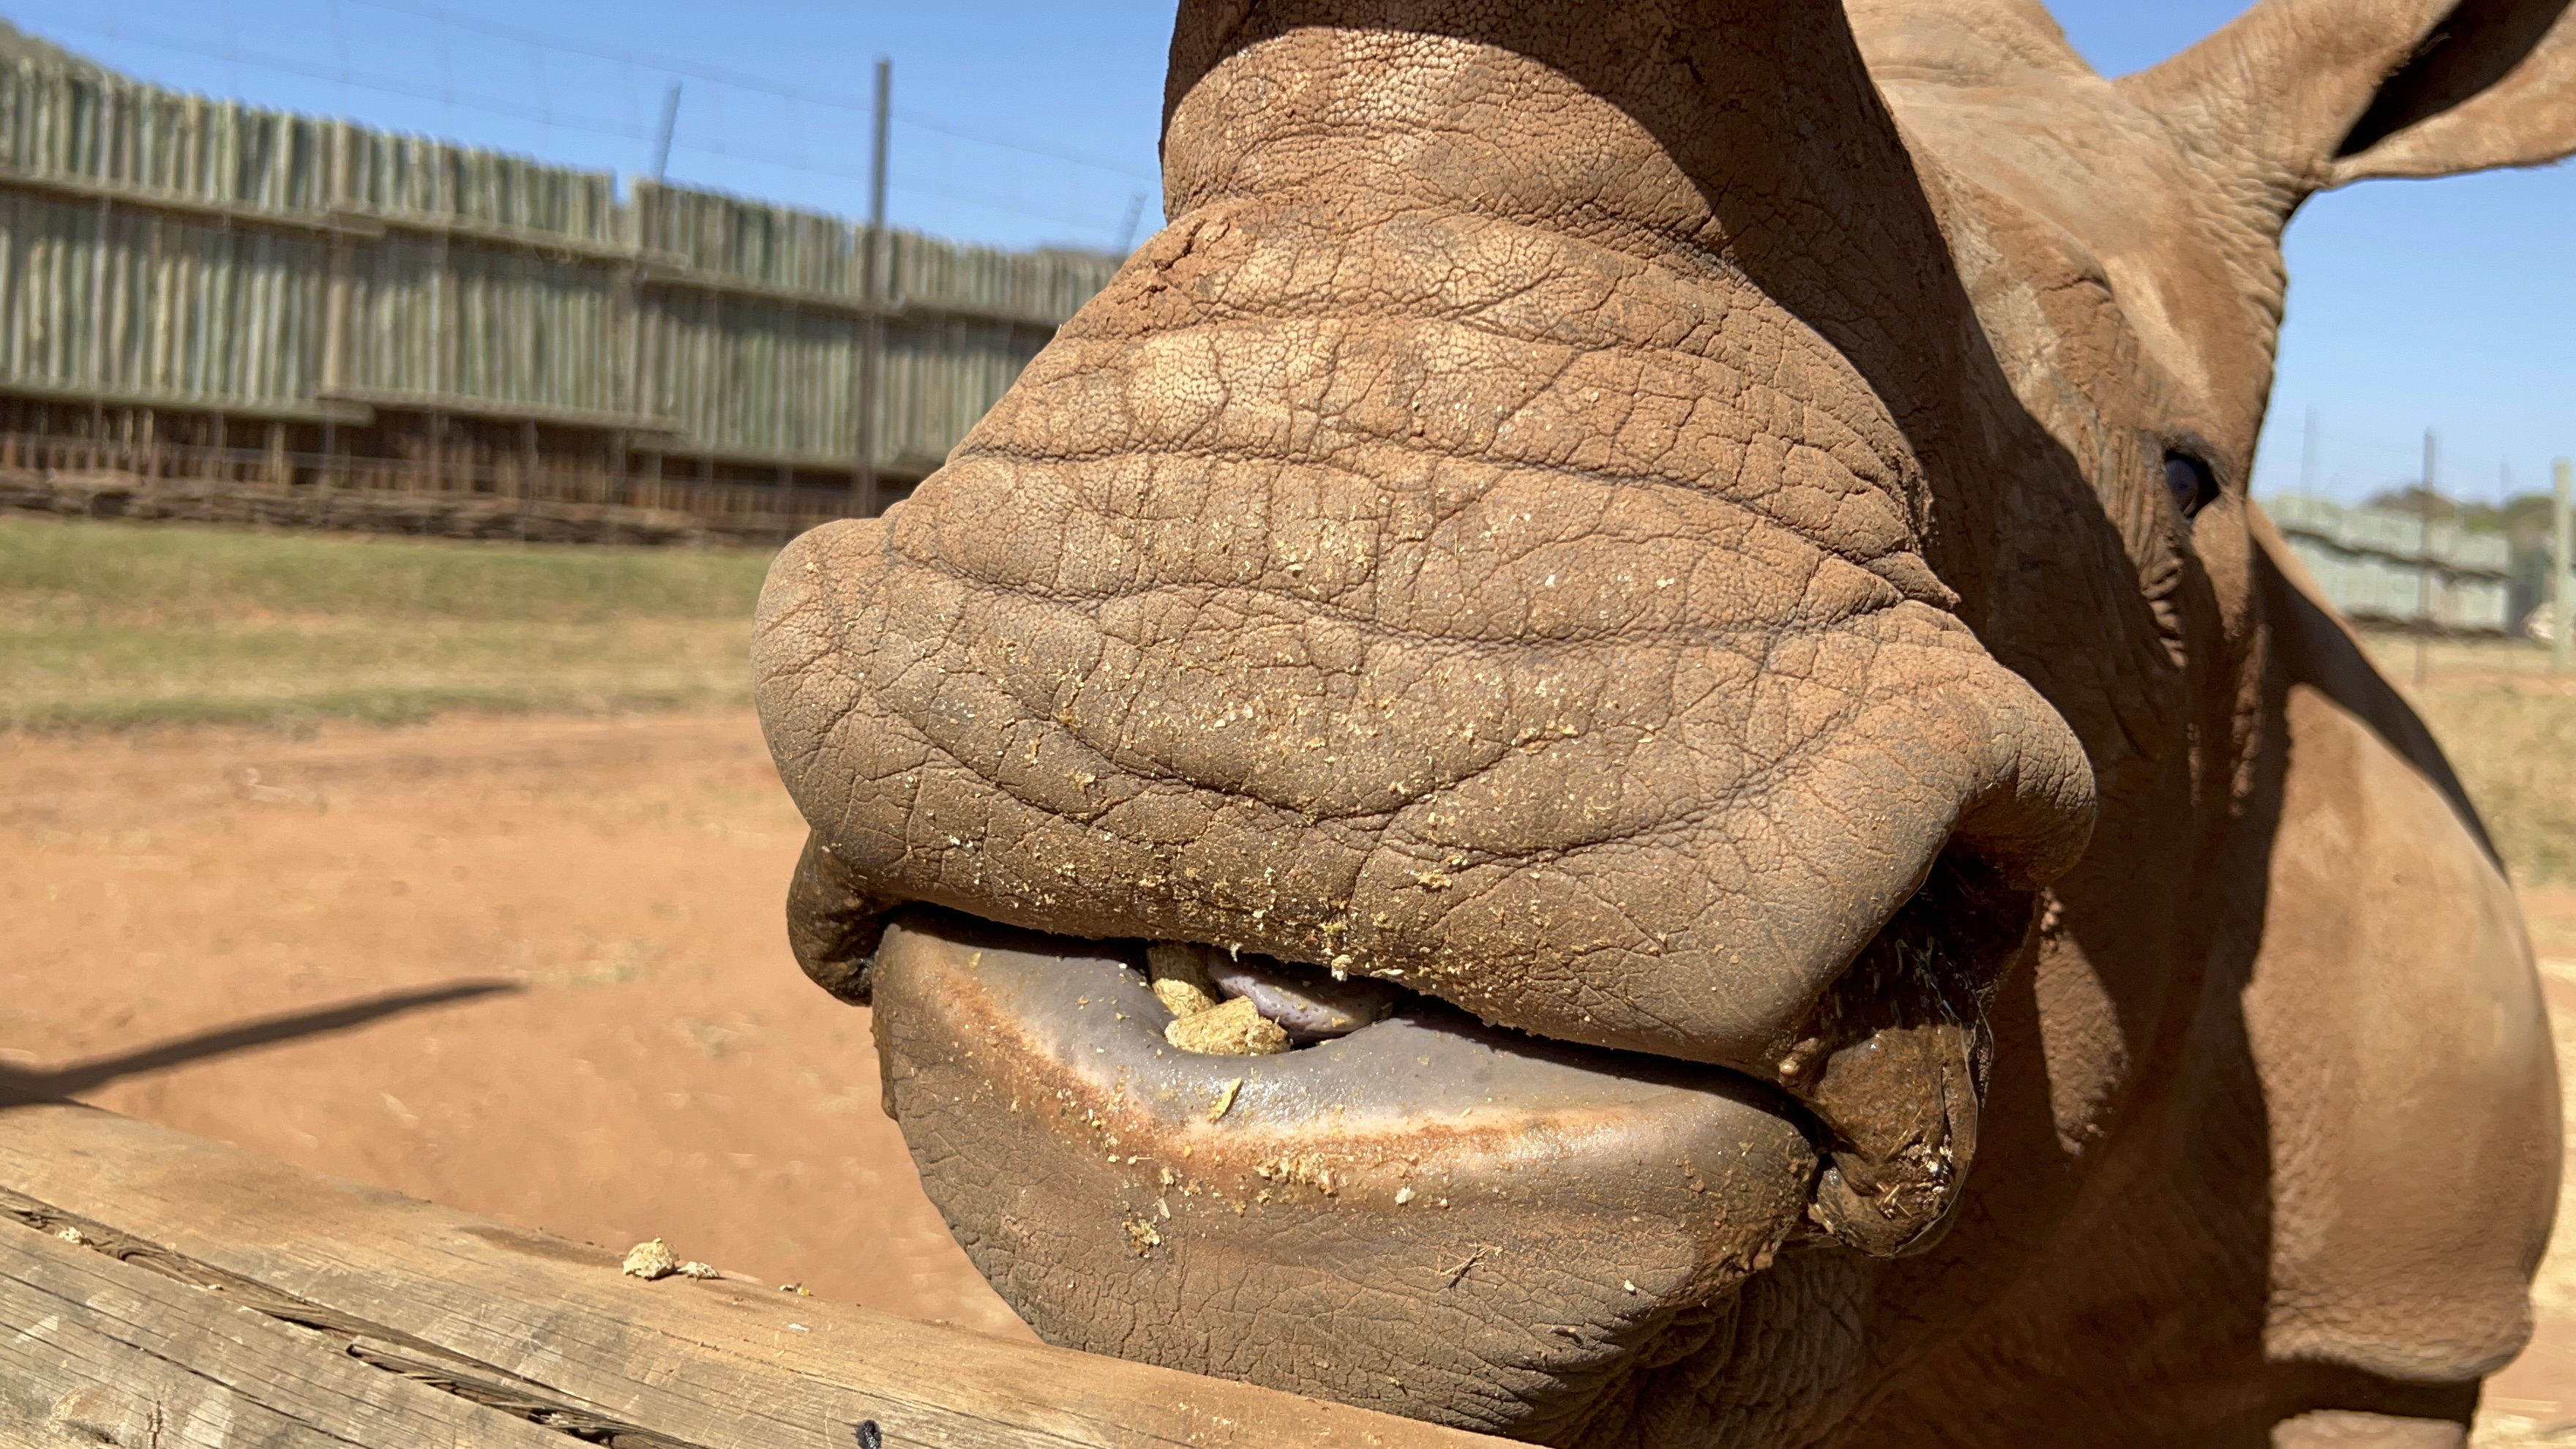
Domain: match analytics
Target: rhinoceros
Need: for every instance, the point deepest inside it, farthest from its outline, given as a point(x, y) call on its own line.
point(1676, 578)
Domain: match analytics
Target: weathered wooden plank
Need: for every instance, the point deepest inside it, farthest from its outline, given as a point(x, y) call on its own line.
point(320, 410)
point(367, 221)
point(97, 1351)
point(179, 203)
point(469, 406)
point(700, 279)
point(701, 1365)
point(160, 250)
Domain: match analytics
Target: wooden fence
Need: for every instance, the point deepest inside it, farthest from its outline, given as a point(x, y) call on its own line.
point(183, 273)
point(163, 1289)
point(2391, 566)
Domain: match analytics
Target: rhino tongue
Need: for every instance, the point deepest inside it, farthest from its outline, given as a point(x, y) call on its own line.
point(1309, 1005)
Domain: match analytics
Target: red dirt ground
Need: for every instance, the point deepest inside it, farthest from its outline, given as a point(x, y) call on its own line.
point(188, 912)
point(657, 1066)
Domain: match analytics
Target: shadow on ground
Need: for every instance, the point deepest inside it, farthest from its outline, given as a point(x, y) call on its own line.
point(18, 1086)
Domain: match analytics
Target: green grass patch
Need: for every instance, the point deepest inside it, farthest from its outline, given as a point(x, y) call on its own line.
point(107, 625)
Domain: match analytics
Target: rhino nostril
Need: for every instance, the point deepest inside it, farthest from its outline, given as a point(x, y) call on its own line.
point(1892, 1062)
point(833, 922)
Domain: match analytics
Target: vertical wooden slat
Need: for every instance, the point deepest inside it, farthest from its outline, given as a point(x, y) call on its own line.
point(119, 299)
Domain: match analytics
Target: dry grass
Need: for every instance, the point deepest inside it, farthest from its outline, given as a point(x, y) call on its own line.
point(2509, 726)
point(104, 625)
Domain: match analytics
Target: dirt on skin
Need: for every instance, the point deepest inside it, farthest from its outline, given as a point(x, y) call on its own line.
point(267, 941)
point(248, 937)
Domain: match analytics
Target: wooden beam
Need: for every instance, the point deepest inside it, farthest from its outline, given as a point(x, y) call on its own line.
point(101, 1351)
point(465, 405)
point(293, 411)
point(543, 1330)
point(181, 203)
point(900, 472)
point(379, 220)
point(365, 223)
point(660, 269)
point(680, 277)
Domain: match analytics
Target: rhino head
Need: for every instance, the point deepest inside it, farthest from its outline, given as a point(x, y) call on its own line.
point(1674, 577)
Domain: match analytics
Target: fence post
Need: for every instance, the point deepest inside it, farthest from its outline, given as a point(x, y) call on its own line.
point(670, 124)
point(646, 400)
point(335, 333)
point(2424, 560)
point(2562, 538)
point(101, 377)
point(872, 324)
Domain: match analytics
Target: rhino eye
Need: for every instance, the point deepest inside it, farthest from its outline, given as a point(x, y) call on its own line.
point(2194, 486)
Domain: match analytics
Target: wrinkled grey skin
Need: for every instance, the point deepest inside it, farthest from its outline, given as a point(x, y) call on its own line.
point(1707, 543)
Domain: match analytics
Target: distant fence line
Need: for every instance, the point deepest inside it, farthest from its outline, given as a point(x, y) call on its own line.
point(221, 277)
point(2391, 566)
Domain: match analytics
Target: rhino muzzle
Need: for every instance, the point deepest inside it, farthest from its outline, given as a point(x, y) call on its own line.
point(1428, 561)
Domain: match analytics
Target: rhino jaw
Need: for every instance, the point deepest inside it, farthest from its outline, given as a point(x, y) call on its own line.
point(1427, 1216)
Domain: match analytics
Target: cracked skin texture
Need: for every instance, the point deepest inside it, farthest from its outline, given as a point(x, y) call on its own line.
point(1533, 616)
point(1582, 509)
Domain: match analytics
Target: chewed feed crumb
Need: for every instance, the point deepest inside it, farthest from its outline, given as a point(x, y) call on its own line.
point(1234, 1029)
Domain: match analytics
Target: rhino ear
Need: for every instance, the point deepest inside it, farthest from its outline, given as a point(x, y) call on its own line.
point(2310, 94)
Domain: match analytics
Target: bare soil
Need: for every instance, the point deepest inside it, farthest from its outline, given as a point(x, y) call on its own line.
point(533, 968)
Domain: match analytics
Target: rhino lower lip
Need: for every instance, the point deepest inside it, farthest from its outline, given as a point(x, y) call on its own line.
point(1424, 1137)
point(1076, 1001)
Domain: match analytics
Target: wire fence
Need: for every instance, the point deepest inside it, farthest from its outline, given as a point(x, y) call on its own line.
point(504, 478)
point(793, 139)
point(175, 271)
point(2336, 462)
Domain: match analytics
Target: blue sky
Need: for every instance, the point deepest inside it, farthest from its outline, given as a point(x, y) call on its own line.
point(2447, 304)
